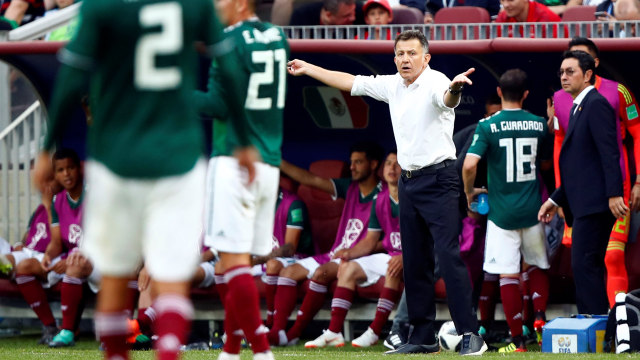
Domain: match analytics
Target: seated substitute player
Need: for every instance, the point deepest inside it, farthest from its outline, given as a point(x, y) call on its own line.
point(514, 142)
point(360, 266)
point(358, 192)
point(66, 234)
point(291, 242)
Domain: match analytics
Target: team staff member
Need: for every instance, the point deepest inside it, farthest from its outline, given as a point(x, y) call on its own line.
point(626, 108)
point(590, 193)
point(421, 101)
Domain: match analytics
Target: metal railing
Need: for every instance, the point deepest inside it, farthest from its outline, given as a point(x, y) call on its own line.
point(476, 31)
point(19, 146)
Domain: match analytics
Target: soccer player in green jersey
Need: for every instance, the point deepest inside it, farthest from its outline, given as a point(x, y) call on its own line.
point(239, 214)
point(144, 163)
point(513, 141)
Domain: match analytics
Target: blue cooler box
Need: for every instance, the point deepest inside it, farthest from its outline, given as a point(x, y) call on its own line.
point(574, 335)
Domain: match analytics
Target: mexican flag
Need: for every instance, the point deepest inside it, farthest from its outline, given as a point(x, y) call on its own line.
point(331, 108)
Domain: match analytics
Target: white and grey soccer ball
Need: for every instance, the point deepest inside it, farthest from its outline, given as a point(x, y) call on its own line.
point(449, 338)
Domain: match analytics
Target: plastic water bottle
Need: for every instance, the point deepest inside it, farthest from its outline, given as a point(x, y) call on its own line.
point(482, 207)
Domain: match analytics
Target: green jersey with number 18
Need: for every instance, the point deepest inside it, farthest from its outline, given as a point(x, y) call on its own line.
point(141, 60)
point(512, 141)
point(262, 52)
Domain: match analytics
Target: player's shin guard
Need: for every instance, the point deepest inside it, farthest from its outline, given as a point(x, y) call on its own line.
point(112, 330)
point(244, 302)
point(33, 293)
point(617, 278)
point(173, 324)
point(71, 298)
point(512, 304)
point(313, 300)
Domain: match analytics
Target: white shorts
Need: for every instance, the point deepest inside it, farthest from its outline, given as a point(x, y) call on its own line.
point(312, 265)
point(159, 220)
point(261, 270)
point(26, 253)
point(239, 218)
point(374, 266)
point(505, 248)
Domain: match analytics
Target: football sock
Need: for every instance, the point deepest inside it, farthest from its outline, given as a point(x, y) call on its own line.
point(132, 297)
point(243, 300)
point(617, 278)
point(112, 330)
point(271, 284)
point(71, 297)
point(173, 324)
point(386, 302)
point(146, 318)
point(340, 305)
point(33, 293)
point(512, 304)
point(538, 288)
point(312, 303)
point(487, 302)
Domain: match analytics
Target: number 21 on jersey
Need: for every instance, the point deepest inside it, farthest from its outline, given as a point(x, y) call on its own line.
point(267, 77)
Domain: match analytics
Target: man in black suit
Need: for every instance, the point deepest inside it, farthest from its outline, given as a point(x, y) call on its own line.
point(591, 190)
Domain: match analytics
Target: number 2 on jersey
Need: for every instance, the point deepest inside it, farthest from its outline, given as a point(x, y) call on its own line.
point(520, 158)
point(166, 42)
point(266, 77)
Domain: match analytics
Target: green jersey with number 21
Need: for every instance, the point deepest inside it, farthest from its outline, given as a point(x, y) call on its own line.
point(262, 52)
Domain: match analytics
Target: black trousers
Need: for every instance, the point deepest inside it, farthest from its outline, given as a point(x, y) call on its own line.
point(588, 249)
point(430, 223)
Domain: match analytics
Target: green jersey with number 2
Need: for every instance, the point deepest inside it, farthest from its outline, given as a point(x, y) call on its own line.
point(141, 59)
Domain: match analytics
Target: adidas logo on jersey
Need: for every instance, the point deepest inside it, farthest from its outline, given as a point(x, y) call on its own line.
point(220, 233)
point(492, 261)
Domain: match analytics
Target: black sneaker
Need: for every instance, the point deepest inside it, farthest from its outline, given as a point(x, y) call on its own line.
point(48, 332)
point(394, 340)
point(416, 349)
point(472, 345)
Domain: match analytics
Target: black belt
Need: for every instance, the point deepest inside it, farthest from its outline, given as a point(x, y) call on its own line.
point(431, 169)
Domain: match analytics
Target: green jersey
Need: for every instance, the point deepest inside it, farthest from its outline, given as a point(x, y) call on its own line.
point(512, 141)
point(142, 66)
point(262, 51)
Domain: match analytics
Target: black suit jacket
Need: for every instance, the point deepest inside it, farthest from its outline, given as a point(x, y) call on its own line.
point(589, 160)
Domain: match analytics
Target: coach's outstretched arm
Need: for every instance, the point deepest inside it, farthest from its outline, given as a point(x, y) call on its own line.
point(337, 79)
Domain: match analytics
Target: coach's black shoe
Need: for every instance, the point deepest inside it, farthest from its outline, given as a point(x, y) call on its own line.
point(472, 345)
point(394, 340)
point(416, 349)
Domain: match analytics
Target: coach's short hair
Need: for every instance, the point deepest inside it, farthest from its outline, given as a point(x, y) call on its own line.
point(333, 5)
point(413, 34)
point(585, 61)
point(513, 84)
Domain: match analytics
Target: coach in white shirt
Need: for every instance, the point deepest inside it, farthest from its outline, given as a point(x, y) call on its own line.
point(421, 101)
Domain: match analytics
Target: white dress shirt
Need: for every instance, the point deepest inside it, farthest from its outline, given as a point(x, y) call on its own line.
point(581, 96)
point(422, 123)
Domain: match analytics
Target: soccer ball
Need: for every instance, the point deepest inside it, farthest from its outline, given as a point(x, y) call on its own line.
point(449, 338)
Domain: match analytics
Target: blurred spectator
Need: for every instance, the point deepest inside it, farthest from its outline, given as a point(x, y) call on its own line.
point(627, 10)
point(329, 12)
point(20, 12)
point(282, 9)
point(607, 7)
point(525, 11)
point(377, 12)
point(432, 6)
point(64, 32)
